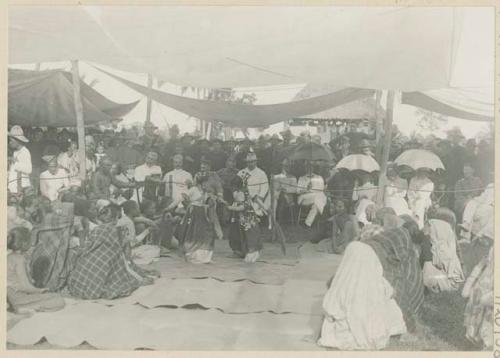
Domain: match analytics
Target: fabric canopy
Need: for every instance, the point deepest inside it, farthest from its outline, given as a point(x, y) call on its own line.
point(407, 49)
point(471, 104)
point(45, 98)
point(365, 109)
point(244, 115)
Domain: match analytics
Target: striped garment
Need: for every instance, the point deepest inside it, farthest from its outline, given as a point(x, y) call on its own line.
point(51, 242)
point(402, 270)
point(100, 270)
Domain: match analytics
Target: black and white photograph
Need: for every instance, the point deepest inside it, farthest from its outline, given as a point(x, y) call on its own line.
point(250, 178)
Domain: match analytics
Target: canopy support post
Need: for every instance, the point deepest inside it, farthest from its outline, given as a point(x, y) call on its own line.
point(378, 126)
point(382, 180)
point(150, 102)
point(80, 127)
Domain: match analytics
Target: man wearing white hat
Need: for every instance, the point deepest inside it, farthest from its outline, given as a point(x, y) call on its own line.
point(20, 166)
point(258, 185)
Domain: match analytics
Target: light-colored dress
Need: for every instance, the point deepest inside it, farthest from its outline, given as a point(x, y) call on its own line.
point(445, 272)
point(360, 313)
point(419, 198)
point(395, 194)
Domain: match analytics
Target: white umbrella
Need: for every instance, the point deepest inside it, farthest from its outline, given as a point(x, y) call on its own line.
point(359, 162)
point(419, 159)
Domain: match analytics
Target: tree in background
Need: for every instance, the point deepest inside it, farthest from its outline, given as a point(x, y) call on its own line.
point(430, 121)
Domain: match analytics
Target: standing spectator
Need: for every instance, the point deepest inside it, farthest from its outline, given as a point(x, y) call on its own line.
point(217, 156)
point(148, 176)
point(419, 195)
point(486, 160)
point(466, 188)
point(20, 167)
point(227, 175)
point(68, 160)
point(177, 181)
point(101, 180)
point(257, 184)
point(53, 181)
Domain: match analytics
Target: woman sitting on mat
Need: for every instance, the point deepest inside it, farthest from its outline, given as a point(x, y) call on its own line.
point(22, 295)
point(102, 269)
point(376, 292)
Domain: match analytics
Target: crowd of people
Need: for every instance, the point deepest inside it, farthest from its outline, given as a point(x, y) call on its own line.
point(87, 232)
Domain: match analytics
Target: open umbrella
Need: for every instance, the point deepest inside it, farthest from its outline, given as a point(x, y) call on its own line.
point(311, 151)
point(359, 162)
point(418, 159)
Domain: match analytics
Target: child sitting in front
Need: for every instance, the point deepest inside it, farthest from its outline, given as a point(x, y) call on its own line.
point(22, 295)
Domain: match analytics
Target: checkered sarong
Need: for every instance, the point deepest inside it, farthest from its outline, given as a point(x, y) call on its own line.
point(402, 270)
point(100, 270)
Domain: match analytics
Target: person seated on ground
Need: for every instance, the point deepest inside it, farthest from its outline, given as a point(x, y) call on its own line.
point(285, 188)
point(466, 189)
point(148, 177)
point(395, 192)
point(16, 218)
point(243, 232)
point(101, 269)
point(310, 188)
point(376, 293)
point(159, 224)
point(479, 216)
point(478, 289)
point(345, 228)
point(135, 250)
point(365, 212)
point(53, 231)
point(53, 181)
point(364, 188)
point(444, 271)
point(22, 295)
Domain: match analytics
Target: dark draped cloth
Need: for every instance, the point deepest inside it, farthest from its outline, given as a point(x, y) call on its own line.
point(402, 270)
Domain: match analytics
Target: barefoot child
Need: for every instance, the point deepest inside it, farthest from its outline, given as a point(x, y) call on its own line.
point(22, 296)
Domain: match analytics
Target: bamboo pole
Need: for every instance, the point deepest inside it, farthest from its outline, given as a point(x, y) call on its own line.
point(150, 102)
point(37, 66)
point(382, 180)
point(80, 127)
point(378, 126)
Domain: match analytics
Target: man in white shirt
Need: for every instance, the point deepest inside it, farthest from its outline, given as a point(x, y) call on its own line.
point(177, 181)
point(148, 173)
point(53, 181)
point(311, 189)
point(284, 183)
point(258, 185)
point(20, 166)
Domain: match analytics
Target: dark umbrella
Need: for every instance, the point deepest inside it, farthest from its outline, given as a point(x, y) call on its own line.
point(312, 152)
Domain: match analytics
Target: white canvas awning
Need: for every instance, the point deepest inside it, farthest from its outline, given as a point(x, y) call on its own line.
point(407, 49)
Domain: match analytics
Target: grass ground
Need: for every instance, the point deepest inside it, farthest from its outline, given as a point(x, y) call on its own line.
point(441, 327)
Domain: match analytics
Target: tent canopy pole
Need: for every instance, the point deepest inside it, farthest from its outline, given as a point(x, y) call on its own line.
point(382, 180)
point(150, 101)
point(79, 119)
